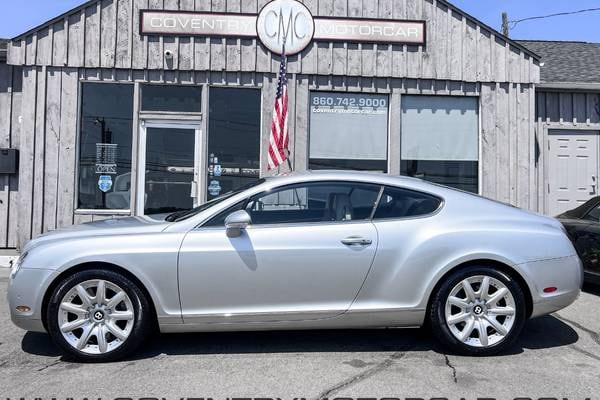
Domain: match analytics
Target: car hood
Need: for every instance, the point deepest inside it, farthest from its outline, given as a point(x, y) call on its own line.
point(111, 226)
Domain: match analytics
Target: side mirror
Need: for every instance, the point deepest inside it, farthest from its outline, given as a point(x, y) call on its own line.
point(236, 222)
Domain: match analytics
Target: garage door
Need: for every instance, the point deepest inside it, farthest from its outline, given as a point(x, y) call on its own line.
point(572, 174)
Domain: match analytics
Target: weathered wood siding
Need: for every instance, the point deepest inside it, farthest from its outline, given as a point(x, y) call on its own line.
point(106, 34)
point(101, 41)
point(10, 131)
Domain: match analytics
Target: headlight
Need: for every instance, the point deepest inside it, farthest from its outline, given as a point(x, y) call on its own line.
point(16, 265)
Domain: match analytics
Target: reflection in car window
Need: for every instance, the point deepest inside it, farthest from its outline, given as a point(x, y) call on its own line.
point(401, 203)
point(594, 214)
point(185, 214)
point(219, 219)
point(314, 202)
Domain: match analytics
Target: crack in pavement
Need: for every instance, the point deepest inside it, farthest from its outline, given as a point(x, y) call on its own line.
point(49, 365)
point(452, 367)
point(585, 352)
point(593, 334)
point(362, 376)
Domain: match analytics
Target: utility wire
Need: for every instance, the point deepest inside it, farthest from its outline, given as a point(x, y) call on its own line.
point(514, 23)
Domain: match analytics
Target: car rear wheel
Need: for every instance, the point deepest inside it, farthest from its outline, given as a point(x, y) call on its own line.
point(98, 315)
point(478, 311)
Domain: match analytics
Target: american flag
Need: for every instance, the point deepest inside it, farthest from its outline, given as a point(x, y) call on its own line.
point(279, 138)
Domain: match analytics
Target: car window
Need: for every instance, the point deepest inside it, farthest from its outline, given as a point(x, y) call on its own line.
point(314, 202)
point(219, 219)
point(401, 203)
point(594, 214)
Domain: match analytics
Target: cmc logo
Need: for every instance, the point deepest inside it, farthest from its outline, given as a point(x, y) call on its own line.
point(285, 20)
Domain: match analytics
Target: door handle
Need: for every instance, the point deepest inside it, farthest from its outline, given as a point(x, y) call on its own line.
point(356, 241)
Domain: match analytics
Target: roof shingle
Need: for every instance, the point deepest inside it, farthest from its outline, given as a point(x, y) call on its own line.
point(567, 62)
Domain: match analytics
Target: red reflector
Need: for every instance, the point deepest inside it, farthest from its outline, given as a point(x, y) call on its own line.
point(550, 289)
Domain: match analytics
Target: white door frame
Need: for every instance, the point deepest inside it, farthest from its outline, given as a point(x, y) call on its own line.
point(545, 129)
point(197, 189)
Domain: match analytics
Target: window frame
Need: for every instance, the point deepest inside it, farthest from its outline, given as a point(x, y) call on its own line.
point(381, 186)
point(388, 96)
point(177, 114)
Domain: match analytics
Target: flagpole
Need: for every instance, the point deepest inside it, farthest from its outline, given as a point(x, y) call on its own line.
point(289, 163)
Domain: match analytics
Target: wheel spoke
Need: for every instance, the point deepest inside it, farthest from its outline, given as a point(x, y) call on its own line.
point(73, 308)
point(455, 319)
point(115, 300)
point(455, 301)
point(86, 299)
point(468, 290)
point(115, 330)
point(497, 296)
point(70, 326)
point(101, 292)
point(101, 338)
point(85, 336)
point(467, 330)
point(122, 315)
point(485, 287)
point(502, 311)
point(483, 336)
point(496, 325)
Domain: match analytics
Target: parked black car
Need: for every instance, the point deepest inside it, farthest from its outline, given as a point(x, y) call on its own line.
point(583, 225)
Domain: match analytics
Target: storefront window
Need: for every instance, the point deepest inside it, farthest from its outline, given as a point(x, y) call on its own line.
point(348, 131)
point(105, 146)
point(233, 139)
point(173, 98)
point(440, 140)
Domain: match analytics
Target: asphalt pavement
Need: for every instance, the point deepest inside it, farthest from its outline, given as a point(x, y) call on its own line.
point(557, 356)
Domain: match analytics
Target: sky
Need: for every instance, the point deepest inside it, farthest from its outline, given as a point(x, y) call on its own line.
point(19, 16)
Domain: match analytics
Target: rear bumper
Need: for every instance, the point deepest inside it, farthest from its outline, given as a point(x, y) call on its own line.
point(565, 274)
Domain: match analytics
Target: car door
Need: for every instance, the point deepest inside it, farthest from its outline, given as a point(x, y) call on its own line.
point(304, 256)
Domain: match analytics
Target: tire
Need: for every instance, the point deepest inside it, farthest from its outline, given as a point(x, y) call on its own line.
point(122, 316)
point(457, 321)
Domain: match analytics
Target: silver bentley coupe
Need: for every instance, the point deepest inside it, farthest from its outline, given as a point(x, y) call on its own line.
point(313, 250)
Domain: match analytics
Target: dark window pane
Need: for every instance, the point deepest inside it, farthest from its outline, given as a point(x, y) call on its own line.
point(314, 202)
point(402, 203)
point(359, 165)
point(175, 98)
point(233, 139)
point(169, 169)
point(461, 175)
point(105, 146)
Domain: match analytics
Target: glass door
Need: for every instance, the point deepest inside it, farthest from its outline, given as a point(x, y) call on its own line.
point(168, 167)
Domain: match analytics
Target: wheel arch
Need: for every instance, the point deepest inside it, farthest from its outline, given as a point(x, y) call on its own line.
point(483, 262)
point(86, 266)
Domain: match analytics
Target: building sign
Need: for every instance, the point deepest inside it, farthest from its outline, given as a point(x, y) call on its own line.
point(285, 20)
point(370, 30)
point(106, 158)
point(197, 24)
point(281, 20)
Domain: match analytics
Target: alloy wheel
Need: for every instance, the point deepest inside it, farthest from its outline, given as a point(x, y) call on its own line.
point(96, 316)
point(480, 311)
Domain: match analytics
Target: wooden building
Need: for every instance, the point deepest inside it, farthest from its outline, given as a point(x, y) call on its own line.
point(112, 118)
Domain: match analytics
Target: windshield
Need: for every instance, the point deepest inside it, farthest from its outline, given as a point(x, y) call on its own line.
point(185, 214)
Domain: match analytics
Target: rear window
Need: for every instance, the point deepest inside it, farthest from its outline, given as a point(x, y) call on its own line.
point(402, 203)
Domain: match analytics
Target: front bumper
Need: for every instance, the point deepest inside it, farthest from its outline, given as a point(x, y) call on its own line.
point(565, 274)
point(27, 288)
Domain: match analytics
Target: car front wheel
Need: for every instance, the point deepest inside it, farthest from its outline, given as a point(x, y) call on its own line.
point(98, 315)
point(478, 311)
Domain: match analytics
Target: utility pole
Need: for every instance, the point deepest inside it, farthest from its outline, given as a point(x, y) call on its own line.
point(505, 24)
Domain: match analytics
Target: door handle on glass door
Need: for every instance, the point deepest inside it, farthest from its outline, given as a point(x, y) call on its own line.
point(356, 241)
point(593, 185)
